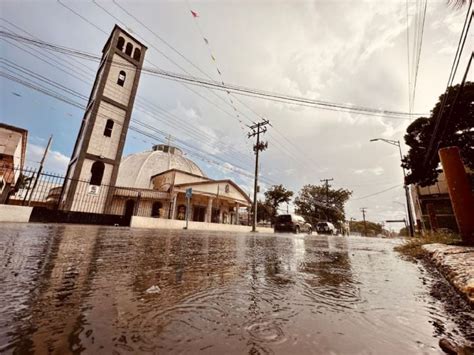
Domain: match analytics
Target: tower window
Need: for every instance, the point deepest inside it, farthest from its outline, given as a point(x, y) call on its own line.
point(136, 54)
point(128, 49)
point(120, 43)
point(97, 172)
point(108, 128)
point(121, 78)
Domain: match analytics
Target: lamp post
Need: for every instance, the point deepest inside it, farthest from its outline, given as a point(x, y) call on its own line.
point(407, 192)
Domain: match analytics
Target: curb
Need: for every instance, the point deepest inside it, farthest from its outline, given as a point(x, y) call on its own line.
point(456, 263)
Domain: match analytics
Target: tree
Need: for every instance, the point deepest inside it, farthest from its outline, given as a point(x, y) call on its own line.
point(456, 132)
point(373, 228)
point(311, 204)
point(275, 196)
point(263, 211)
point(403, 232)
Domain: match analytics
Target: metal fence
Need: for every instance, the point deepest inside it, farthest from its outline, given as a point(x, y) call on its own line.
point(32, 187)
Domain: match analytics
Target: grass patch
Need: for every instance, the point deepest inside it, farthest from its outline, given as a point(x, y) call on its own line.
point(411, 248)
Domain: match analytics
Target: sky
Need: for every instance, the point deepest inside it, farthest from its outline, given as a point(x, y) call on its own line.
point(351, 52)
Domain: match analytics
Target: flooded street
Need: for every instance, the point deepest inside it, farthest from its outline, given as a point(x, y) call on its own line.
point(91, 289)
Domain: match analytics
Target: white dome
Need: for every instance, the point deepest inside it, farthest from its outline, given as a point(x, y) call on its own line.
point(137, 169)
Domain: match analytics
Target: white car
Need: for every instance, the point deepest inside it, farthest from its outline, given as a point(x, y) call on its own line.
point(326, 228)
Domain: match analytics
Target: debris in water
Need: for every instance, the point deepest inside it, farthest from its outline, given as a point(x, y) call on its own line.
point(153, 289)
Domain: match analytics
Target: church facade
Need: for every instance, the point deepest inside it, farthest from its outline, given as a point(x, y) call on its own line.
point(154, 184)
point(146, 184)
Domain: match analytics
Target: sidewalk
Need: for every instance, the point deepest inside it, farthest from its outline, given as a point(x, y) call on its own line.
point(456, 263)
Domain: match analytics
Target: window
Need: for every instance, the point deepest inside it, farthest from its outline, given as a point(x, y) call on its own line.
point(128, 49)
point(136, 54)
point(97, 171)
point(121, 78)
point(120, 43)
point(108, 128)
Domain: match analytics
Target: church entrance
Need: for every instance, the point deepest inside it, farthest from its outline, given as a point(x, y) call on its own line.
point(199, 213)
point(129, 208)
point(215, 215)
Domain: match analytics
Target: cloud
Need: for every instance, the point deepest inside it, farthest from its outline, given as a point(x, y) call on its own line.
point(323, 50)
point(55, 161)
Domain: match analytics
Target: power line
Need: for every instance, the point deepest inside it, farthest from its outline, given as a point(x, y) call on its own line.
point(192, 151)
point(241, 90)
point(376, 193)
point(462, 40)
point(89, 56)
point(144, 110)
point(418, 56)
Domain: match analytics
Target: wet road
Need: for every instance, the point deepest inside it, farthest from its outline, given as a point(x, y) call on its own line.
point(90, 289)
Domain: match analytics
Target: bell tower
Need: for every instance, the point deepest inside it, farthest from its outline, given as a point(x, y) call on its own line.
point(95, 161)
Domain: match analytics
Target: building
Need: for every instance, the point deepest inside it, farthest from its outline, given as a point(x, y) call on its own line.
point(12, 157)
point(433, 209)
point(99, 145)
point(146, 184)
point(154, 184)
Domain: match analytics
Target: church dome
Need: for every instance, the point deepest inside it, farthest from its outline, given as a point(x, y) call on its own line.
point(137, 169)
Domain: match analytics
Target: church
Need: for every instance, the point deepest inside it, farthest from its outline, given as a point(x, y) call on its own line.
point(145, 184)
point(159, 178)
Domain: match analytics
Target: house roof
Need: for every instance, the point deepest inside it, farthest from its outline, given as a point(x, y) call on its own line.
point(181, 171)
point(238, 188)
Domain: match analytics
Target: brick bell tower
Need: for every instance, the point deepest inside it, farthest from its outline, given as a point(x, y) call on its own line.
point(95, 161)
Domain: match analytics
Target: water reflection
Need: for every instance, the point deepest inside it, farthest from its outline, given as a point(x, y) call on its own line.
point(217, 294)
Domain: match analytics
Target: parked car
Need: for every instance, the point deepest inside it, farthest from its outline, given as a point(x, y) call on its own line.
point(326, 228)
point(292, 223)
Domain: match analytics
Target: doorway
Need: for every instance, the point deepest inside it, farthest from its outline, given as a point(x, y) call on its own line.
point(199, 213)
point(129, 208)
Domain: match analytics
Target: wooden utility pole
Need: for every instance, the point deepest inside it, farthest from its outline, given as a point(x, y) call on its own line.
point(363, 209)
point(326, 181)
point(40, 169)
point(257, 129)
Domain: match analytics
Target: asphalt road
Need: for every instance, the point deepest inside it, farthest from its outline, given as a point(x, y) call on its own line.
point(67, 288)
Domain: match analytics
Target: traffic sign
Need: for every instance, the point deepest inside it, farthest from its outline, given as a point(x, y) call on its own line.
point(189, 192)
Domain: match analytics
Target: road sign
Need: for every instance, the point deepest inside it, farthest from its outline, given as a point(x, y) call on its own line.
point(189, 192)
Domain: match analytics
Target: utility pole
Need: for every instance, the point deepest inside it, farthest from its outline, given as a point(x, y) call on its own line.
point(40, 169)
point(257, 129)
point(363, 209)
point(405, 186)
point(327, 188)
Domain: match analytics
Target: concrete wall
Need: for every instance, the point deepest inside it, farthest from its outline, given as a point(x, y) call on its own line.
point(160, 223)
point(10, 213)
point(102, 145)
point(112, 90)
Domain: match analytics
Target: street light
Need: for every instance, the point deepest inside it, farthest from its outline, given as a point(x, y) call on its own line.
point(407, 192)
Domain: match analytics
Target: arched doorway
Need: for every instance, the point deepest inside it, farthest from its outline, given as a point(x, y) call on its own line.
point(129, 208)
